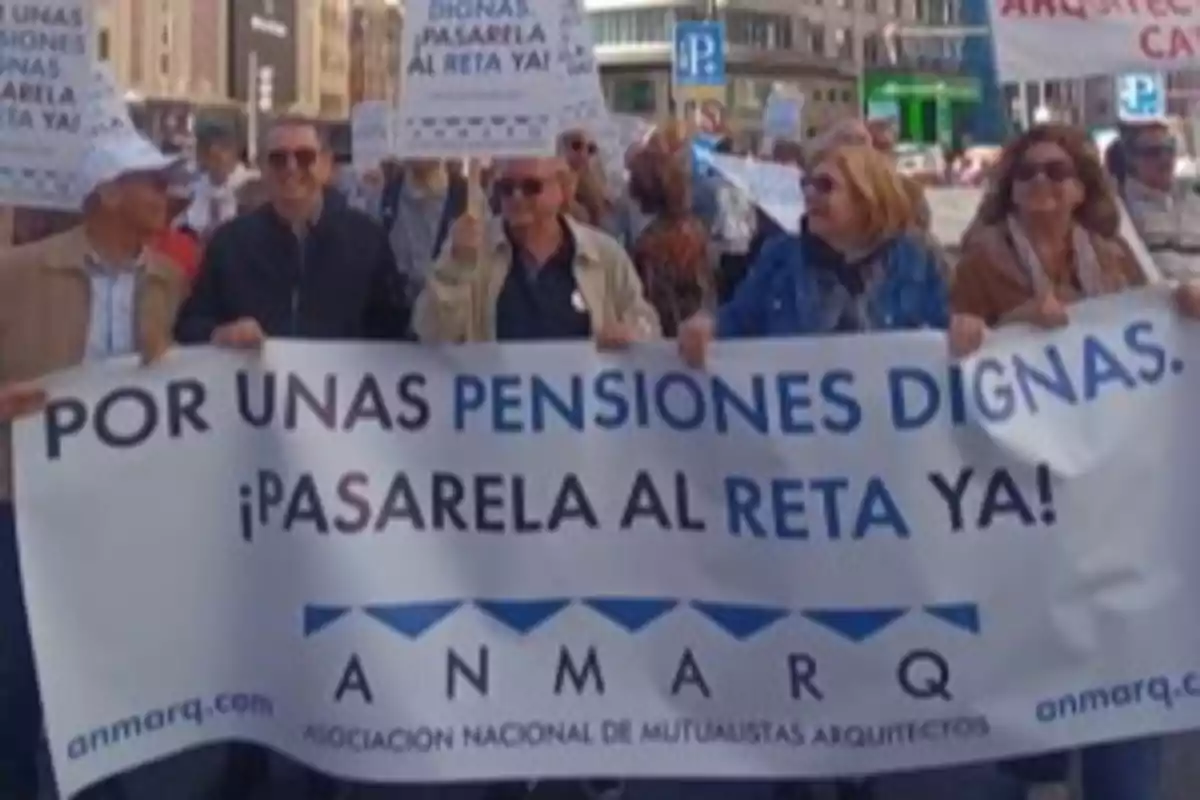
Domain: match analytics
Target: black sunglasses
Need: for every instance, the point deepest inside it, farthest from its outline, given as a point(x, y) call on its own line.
point(818, 184)
point(529, 187)
point(304, 158)
point(579, 146)
point(1056, 171)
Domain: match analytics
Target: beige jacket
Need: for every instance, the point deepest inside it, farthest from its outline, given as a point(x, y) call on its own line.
point(45, 311)
point(458, 303)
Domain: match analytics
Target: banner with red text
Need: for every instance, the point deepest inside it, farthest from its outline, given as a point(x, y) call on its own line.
point(1101, 37)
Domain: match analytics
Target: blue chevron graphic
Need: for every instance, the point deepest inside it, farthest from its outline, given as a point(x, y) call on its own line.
point(318, 618)
point(855, 624)
point(740, 621)
point(522, 616)
point(412, 619)
point(630, 613)
point(964, 616)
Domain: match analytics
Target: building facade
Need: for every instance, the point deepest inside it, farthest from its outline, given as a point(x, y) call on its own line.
point(375, 29)
point(170, 56)
point(821, 48)
point(324, 59)
point(165, 49)
point(263, 54)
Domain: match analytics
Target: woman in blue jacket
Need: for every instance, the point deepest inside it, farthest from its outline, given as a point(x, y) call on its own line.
point(854, 267)
point(858, 265)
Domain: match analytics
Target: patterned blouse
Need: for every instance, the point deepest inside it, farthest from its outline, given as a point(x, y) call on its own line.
point(671, 256)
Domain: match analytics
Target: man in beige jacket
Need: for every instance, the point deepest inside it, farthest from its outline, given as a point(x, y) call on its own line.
point(534, 274)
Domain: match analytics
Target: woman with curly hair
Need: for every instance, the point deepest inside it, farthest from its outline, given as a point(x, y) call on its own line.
point(671, 253)
point(1046, 236)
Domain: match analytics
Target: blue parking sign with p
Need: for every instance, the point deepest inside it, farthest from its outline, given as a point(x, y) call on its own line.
point(699, 57)
point(1141, 96)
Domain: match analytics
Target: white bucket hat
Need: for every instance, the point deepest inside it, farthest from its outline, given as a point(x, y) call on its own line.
point(122, 153)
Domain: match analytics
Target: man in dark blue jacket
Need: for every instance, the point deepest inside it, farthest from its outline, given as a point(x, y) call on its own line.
point(305, 265)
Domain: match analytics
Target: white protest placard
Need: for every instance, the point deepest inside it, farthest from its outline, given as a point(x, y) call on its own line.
point(372, 134)
point(775, 188)
point(1033, 38)
point(105, 111)
point(583, 98)
point(481, 78)
point(783, 115)
point(826, 556)
point(48, 48)
point(622, 133)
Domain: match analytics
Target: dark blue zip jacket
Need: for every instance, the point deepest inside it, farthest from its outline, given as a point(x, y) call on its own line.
point(341, 283)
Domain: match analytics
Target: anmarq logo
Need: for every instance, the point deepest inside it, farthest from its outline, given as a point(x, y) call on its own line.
point(921, 673)
point(634, 614)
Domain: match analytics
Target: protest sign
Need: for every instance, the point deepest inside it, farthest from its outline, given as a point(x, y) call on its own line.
point(775, 188)
point(1029, 37)
point(48, 52)
point(104, 110)
point(622, 132)
point(820, 557)
point(583, 98)
point(372, 134)
point(783, 115)
point(482, 78)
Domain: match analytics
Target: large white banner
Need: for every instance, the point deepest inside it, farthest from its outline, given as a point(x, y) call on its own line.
point(1029, 38)
point(48, 49)
point(821, 557)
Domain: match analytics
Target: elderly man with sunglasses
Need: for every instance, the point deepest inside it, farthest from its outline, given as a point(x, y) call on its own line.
point(303, 266)
point(535, 274)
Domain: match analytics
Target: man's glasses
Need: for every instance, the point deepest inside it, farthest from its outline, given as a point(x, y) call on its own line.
point(529, 187)
point(581, 146)
point(1163, 151)
point(304, 158)
point(1055, 171)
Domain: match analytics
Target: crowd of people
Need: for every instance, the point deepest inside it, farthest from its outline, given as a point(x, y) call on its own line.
point(546, 249)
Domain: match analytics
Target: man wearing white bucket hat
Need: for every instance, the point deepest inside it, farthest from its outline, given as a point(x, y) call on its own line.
point(92, 293)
